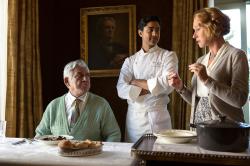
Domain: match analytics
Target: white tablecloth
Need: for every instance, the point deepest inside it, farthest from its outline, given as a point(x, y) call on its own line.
point(39, 154)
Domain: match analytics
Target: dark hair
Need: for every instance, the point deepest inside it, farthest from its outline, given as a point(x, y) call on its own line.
point(144, 21)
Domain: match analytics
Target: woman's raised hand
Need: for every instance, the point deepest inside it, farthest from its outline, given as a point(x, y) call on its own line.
point(174, 80)
point(200, 70)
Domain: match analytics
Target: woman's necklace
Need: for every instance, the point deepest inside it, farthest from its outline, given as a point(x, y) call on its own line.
point(211, 58)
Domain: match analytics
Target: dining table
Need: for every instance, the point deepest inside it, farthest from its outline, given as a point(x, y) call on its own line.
point(30, 152)
point(145, 152)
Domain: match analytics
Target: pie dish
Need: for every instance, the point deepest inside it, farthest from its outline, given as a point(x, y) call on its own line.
point(80, 152)
point(175, 136)
point(52, 139)
point(79, 148)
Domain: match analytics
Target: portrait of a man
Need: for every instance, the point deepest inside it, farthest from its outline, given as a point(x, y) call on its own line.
point(108, 40)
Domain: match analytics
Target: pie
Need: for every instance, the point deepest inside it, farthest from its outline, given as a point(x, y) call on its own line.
point(79, 148)
point(76, 144)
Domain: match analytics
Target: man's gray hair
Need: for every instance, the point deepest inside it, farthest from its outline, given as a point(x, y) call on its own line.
point(71, 65)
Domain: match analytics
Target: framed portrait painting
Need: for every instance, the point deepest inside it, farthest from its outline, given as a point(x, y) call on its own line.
point(107, 37)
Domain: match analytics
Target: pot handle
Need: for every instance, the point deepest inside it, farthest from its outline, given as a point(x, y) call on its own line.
point(222, 118)
point(193, 125)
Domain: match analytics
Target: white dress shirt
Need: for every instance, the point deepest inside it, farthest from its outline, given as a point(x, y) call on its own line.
point(70, 104)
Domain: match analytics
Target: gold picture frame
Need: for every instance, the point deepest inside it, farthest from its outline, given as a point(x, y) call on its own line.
point(107, 37)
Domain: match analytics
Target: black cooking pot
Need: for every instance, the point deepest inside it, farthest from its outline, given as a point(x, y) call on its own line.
point(223, 135)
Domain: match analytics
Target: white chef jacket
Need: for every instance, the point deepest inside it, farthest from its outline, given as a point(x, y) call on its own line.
point(147, 113)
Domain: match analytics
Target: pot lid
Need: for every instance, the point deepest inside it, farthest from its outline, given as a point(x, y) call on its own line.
point(222, 122)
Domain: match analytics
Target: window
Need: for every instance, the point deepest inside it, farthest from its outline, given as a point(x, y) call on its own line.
point(3, 55)
point(248, 33)
point(239, 35)
point(233, 37)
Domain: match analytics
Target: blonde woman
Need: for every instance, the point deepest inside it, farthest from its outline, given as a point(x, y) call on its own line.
point(219, 85)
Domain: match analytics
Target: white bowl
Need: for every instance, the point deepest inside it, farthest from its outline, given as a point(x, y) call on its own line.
point(175, 136)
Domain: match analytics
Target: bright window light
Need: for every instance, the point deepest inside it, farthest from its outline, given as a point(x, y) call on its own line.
point(234, 36)
point(248, 31)
point(3, 56)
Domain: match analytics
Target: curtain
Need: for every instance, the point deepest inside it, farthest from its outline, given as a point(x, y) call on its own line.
point(24, 93)
point(187, 52)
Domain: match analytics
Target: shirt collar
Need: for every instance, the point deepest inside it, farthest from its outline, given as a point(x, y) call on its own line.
point(151, 50)
point(221, 49)
point(72, 98)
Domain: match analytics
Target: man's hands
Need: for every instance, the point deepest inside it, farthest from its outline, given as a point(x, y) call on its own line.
point(144, 92)
point(142, 84)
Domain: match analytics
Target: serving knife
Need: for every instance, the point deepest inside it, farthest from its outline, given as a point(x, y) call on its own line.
point(18, 142)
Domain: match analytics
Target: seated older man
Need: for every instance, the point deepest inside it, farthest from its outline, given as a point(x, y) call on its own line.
point(79, 112)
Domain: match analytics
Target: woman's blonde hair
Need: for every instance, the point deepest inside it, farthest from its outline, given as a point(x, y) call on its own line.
point(216, 22)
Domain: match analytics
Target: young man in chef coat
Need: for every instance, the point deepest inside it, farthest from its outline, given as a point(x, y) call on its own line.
point(143, 82)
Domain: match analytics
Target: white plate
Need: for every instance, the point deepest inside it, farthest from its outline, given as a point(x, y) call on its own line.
point(175, 136)
point(51, 142)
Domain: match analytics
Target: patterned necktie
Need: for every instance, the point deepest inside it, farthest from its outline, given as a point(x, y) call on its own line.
point(76, 111)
